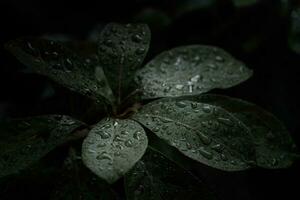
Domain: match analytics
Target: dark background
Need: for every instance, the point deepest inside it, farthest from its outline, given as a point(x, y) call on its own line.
point(255, 34)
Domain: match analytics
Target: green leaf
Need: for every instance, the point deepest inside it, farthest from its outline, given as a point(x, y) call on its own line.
point(62, 65)
point(205, 133)
point(273, 143)
point(294, 33)
point(112, 147)
point(31, 139)
point(242, 3)
point(156, 178)
point(190, 70)
point(122, 49)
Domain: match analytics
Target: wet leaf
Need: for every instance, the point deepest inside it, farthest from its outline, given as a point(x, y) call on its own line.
point(52, 59)
point(273, 143)
point(190, 70)
point(25, 141)
point(112, 147)
point(242, 3)
point(205, 133)
point(155, 177)
point(122, 49)
point(294, 34)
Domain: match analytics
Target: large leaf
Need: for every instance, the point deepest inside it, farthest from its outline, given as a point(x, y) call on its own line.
point(62, 65)
point(190, 70)
point(205, 133)
point(294, 35)
point(32, 138)
point(122, 49)
point(157, 178)
point(112, 147)
point(274, 146)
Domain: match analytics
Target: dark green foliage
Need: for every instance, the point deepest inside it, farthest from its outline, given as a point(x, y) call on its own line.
point(220, 132)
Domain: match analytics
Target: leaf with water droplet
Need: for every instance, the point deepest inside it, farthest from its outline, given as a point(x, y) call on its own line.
point(190, 70)
point(272, 139)
point(294, 32)
point(25, 141)
point(156, 177)
point(121, 152)
point(122, 49)
point(59, 63)
point(196, 131)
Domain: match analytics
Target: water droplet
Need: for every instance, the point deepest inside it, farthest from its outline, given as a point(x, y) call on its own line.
point(101, 145)
point(104, 156)
point(179, 87)
point(136, 135)
point(106, 126)
point(226, 121)
point(274, 162)
point(140, 51)
point(128, 143)
point(195, 79)
point(223, 157)
point(116, 123)
point(104, 134)
point(155, 129)
point(118, 139)
point(137, 38)
point(165, 120)
point(190, 84)
point(204, 138)
point(123, 132)
point(217, 148)
point(194, 105)
point(188, 145)
point(219, 58)
point(108, 42)
point(206, 108)
point(181, 104)
point(208, 155)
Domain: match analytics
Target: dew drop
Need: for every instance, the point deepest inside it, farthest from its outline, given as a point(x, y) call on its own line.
point(208, 155)
point(180, 104)
point(106, 126)
point(155, 129)
point(123, 132)
point(101, 145)
point(204, 138)
point(206, 109)
point(140, 51)
point(179, 87)
point(104, 134)
point(104, 156)
point(226, 121)
point(136, 135)
point(137, 38)
point(195, 79)
point(223, 157)
point(128, 143)
point(194, 105)
point(217, 148)
point(219, 58)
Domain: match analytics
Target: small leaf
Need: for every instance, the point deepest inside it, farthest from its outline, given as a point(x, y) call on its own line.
point(155, 177)
point(31, 139)
point(112, 147)
point(274, 146)
point(122, 49)
point(242, 3)
point(294, 33)
point(205, 133)
point(62, 65)
point(190, 70)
